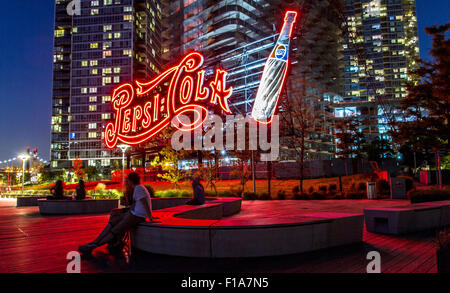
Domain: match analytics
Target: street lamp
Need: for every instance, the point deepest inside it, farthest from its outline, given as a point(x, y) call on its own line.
point(124, 148)
point(23, 157)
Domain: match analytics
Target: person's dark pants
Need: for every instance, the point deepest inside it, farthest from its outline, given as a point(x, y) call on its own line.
point(121, 221)
point(195, 202)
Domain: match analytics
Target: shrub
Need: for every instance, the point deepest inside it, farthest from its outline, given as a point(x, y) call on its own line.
point(236, 190)
point(318, 196)
point(281, 194)
point(332, 188)
point(173, 193)
point(299, 196)
point(354, 195)
point(264, 196)
point(362, 186)
point(311, 190)
point(418, 196)
point(323, 188)
point(383, 187)
point(249, 196)
point(100, 187)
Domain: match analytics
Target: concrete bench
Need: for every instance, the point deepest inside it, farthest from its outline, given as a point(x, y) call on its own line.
point(69, 207)
point(29, 201)
point(196, 231)
point(408, 219)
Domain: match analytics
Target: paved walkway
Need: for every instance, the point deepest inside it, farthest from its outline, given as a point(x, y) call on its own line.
point(33, 243)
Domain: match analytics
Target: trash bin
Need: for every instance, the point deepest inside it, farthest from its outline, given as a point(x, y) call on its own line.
point(371, 190)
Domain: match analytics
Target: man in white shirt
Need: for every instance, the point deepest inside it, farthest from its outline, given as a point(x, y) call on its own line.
point(122, 220)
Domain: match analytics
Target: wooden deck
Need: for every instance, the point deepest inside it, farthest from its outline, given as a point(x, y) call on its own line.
point(33, 243)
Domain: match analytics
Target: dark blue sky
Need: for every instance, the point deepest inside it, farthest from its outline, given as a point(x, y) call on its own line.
point(26, 39)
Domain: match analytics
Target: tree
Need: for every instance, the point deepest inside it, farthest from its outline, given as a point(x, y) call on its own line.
point(350, 139)
point(300, 119)
point(78, 169)
point(378, 149)
point(92, 173)
point(209, 170)
point(426, 109)
point(168, 161)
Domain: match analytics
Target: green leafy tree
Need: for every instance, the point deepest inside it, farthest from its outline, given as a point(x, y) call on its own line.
point(426, 109)
point(92, 173)
point(169, 160)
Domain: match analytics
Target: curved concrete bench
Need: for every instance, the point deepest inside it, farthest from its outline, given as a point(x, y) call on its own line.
point(197, 231)
point(408, 219)
point(29, 201)
point(69, 207)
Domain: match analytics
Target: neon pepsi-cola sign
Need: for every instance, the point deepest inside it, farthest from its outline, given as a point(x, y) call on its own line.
point(142, 111)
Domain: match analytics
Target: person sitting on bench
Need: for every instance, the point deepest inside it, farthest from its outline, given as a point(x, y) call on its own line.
point(81, 190)
point(122, 220)
point(199, 193)
point(57, 191)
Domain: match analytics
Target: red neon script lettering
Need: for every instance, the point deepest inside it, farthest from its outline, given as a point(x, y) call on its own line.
point(141, 112)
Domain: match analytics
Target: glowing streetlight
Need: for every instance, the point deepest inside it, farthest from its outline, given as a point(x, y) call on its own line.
point(124, 148)
point(23, 157)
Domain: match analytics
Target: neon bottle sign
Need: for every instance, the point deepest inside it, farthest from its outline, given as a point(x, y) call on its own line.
point(142, 112)
point(274, 74)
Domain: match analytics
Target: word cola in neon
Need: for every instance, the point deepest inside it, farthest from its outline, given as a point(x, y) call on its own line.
point(143, 112)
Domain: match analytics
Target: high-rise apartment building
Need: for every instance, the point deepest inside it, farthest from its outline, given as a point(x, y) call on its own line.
point(109, 43)
point(380, 48)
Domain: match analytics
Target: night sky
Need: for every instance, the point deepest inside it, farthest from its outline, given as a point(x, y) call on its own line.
point(26, 40)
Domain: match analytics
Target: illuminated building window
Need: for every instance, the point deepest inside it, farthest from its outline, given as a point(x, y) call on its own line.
point(92, 108)
point(84, 63)
point(106, 80)
point(94, 11)
point(94, 45)
point(93, 63)
point(93, 99)
point(106, 116)
point(59, 33)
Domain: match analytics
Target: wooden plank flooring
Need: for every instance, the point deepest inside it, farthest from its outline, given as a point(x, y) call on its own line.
point(31, 243)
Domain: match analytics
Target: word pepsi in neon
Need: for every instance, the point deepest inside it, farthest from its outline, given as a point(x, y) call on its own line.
point(143, 112)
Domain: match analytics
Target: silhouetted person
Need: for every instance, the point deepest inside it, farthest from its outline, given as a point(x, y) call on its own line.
point(57, 191)
point(81, 190)
point(122, 220)
point(199, 193)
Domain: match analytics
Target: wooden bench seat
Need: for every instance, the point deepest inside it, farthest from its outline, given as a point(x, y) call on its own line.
point(29, 201)
point(197, 231)
point(69, 207)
